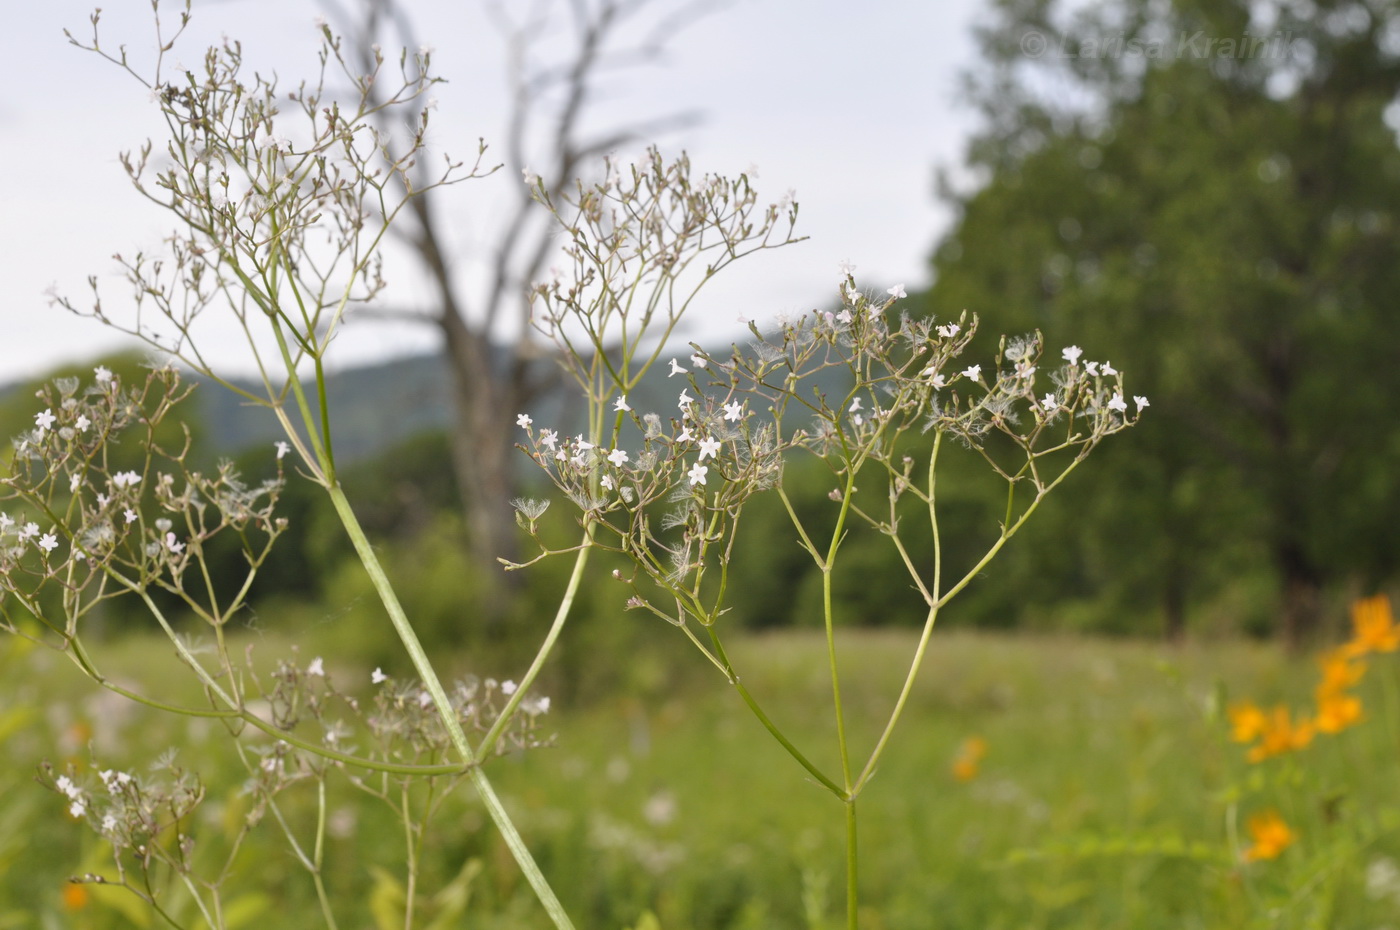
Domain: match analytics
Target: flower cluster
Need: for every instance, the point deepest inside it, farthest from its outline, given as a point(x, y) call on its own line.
point(736, 418)
point(1275, 732)
point(132, 812)
point(95, 503)
point(401, 720)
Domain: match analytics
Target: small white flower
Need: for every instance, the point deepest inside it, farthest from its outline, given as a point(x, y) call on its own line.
point(620, 405)
point(1091, 367)
point(103, 374)
point(65, 784)
point(130, 516)
point(109, 824)
point(685, 435)
point(698, 361)
point(531, 179)
point(1107, 370)
point(523, 420)
point(75, 481)
point(6, 521)
point(897, 292)
point(282, 448)
point(316, 669)
point(617, 457)
point(676, 368)
point(1141, 402)
point(378, 677)
point(949, 331)
point(1049, 403)
point(44, 420)
point(548, 438)
point(583, 444)
point(126, 479)
point(508, 687)
point(709, 448)
point(1118, 403)
point(607, 482)
point(28, 530)
point(733, 411)
point(847, 268)
point(697, 474)
point(937, 381)
point(855, 405)
point(685, 402)
point(844, 316)
point(972, 371)
point(1071, 354)
point(82, 423)
point(1025, 370)
point(173, 545)
point(77, 809)
point(48, 542)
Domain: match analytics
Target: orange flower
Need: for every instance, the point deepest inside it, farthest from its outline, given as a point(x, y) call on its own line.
point(1248, 721)
point(1271, 836)
point(1280, 735)
point(75, 896)
point(1339, 672)
point(1373, 626)
point(1336, 712)
point(969, 758)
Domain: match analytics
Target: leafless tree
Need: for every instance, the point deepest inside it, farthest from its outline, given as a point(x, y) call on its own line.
point(496, 363)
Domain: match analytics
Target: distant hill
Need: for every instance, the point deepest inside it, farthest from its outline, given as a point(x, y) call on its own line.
point(372, 407)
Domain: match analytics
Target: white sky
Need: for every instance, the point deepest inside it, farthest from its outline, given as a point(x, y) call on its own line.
point(852, 107)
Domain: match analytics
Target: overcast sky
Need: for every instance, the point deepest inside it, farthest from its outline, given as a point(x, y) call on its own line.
point(852, 108)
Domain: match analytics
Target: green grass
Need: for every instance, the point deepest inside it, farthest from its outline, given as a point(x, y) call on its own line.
point(1105, 799)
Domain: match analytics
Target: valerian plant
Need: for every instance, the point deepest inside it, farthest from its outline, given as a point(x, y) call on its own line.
point(666, 489)
point(282, 200)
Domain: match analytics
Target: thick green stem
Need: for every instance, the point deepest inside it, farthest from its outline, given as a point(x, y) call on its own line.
point(430, 680)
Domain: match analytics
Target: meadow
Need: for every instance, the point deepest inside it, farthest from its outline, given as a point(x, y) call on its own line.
point(1039, 782)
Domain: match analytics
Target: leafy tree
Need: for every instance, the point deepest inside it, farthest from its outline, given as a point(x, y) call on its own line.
point(1211, 189)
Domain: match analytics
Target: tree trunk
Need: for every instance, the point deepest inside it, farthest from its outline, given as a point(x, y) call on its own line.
point(483, 410)
point(1302, 588)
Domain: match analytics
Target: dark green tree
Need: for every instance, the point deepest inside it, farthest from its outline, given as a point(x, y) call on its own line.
point(1207, 192)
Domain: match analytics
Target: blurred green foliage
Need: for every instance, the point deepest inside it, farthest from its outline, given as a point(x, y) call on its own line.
point(1105, 799)
point(1220, 222)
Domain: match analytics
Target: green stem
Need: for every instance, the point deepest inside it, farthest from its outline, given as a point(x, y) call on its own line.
point(488, 742)
point(317, 855)
point(852, 893)
point(429, 676)
point(768, 724)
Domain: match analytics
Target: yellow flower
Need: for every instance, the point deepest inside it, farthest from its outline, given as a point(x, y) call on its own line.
point(1280, 735)
point(1271, 836)
point(969, 758)
point(1336, 712)
point(1373, 626)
